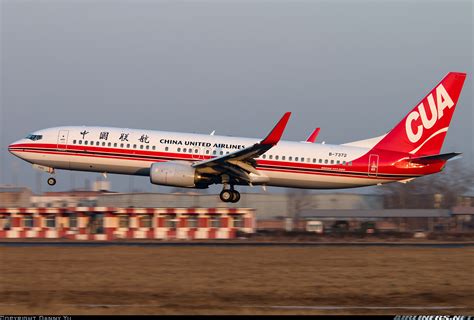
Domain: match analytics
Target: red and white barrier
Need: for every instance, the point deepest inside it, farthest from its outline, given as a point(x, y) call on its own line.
point(105, 223)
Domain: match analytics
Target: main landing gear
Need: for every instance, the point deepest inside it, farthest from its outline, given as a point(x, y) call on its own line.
point(51, 181)
point(230, 195)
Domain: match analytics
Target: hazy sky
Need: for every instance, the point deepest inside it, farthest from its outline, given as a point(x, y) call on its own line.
point(354, 68)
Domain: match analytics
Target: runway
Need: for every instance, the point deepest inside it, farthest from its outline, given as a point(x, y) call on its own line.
point(28, 243)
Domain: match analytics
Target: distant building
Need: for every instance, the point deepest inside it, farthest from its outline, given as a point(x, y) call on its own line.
point(268, 206)
point(383, 220)
point(101, 185)
point(15, 196)
point(270, 211)
point(104, 223)
point(62, 199)
point(464, 211)
point(466, 199)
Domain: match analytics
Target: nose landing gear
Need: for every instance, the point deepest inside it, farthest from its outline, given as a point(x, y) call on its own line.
point(51, 181)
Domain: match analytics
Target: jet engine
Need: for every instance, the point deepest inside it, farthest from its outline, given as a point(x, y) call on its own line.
point(175, 174)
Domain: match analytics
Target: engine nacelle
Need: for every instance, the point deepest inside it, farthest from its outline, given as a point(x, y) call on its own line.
point(175, 174)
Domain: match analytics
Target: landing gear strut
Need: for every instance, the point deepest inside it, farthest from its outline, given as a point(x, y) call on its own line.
point(51, 181)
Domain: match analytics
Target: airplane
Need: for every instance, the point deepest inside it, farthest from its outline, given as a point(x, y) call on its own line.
point(410, 150)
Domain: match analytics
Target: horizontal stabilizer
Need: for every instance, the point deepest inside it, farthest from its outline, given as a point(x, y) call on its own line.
point(435, 158)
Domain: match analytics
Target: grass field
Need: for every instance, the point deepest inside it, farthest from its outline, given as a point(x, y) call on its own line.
point(236, 280)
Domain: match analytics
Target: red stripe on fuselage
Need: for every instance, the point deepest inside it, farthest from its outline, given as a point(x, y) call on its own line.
point(152, 156)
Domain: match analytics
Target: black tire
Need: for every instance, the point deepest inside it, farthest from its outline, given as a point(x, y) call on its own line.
point(51, 181)
point(235, 196)
point(226, 195)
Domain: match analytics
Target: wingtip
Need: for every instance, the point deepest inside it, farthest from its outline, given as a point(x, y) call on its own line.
point(275, 135)
point(313, 136)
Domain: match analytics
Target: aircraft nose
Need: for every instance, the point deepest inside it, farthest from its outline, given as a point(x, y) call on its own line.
point(12, 147)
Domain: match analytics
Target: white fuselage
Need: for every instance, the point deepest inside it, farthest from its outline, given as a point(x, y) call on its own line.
point(132, 151)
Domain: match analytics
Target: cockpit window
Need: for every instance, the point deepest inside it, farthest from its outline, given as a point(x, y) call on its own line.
point(34, 137)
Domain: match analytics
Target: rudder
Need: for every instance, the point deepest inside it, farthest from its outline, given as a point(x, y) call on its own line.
point(423, 130)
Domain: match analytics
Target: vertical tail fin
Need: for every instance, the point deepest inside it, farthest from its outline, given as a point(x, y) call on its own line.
point(423, 130)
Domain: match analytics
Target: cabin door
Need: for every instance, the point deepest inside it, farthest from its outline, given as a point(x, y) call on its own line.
point(62, 139)
point(373, 165)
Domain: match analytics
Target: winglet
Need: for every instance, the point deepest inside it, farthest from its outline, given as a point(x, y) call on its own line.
point(313, 136)
point(275, 135)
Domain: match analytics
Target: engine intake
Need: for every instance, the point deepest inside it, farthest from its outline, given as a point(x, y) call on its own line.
point(175, 174)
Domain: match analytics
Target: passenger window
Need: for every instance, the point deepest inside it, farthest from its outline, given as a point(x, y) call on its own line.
point(97, 143)
point(121, 145)
point(290, 158)
point(184, 150)
point(128, 145)
point(343, 162)
point(332, 161)
point(314, 160)
point(147, 147)
point(214, 152)
point(320, 161)
point(325, 161)
point(153, 147)
point(283, 158)
point(338, 162)
point(141, 146)
point(92, 143)
point(264, 156)
point(103, 144)
point(196, 151)
point(86, 142)
point(350, 163)
point(73, 141)
point(134, 146)
point(276, 157)
point(80, 141)
point(207, 151)
point(270, 157)
point(109, 144)
point(222, 152)
point(166, 149)
point(115, 145)
point(296, 158)
point(179, 149)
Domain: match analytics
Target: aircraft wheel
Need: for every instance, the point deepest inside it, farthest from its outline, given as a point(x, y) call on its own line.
point(51, 181)
point(235, 196)
point(226, 195)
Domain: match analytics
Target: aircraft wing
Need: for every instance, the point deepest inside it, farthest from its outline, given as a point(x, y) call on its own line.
point(240, 163)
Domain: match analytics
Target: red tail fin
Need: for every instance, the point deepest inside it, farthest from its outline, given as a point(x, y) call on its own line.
point(423, 130)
